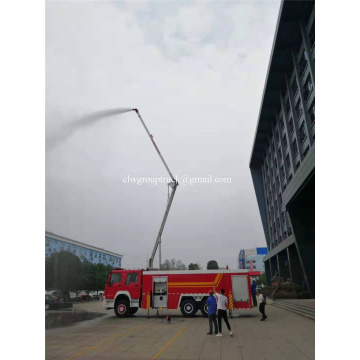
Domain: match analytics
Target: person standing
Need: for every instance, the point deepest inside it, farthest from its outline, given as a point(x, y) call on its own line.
point(262, 304)
point(222, 305)
point(211, 304)
point(253, 292)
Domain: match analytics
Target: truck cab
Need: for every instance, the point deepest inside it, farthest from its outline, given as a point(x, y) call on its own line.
point(123, 291)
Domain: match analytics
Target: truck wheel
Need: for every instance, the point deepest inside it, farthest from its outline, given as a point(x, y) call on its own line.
point(204, 309)
point(133, 310)
point(122, 308)
point(189, 308)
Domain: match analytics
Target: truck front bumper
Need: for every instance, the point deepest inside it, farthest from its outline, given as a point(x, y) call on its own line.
point(108, 303)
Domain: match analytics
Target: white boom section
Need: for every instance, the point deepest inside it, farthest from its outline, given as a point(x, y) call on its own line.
point(173, 184)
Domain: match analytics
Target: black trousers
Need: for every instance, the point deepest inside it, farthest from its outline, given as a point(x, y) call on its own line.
point(223, 314)
point(262, 309)
point(212, 319)
point(254, 299)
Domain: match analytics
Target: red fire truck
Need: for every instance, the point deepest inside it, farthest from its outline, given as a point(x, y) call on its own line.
point(128, 290)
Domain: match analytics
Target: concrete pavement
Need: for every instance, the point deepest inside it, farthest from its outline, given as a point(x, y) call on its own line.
point(284, 335)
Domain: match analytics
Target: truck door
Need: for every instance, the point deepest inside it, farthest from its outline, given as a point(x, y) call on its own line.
point(240, 288)
point(133, 285)
point(160, 292)
point(113, 285)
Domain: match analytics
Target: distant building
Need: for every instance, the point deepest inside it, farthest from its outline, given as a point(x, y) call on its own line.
point(56, 243)
point(282, 162)
point(252, 259)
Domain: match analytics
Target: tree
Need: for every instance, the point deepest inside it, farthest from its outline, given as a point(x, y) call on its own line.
point(212, 264)
point(261, 280)
point(64, 271)
point(194, 266)
point(173, 264)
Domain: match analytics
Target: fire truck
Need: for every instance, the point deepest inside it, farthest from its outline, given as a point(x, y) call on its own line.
point(126, 291)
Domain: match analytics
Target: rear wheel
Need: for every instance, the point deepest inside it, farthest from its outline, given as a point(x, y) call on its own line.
point(122, 308)
point(204, 308)
point(189, 308)
point(133, 310)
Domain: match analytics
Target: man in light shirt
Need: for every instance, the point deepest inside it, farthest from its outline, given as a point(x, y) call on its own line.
point(222, 305)
point(262, 305)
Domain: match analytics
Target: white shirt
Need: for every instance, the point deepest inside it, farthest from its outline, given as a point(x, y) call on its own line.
point(261, 298)
point(221, 301)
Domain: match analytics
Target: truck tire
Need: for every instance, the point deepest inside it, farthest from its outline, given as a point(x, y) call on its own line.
point(133, 310)
point(204, 308)
point(122, 308)
point(189, 308)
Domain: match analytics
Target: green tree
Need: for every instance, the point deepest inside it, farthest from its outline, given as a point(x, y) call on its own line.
point(173, 264)
point(64, 271)
point(212, 264)
point(262, 279)
point(194, 266)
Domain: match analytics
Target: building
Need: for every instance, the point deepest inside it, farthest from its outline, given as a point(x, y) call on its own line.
point(252, 259)
point(55, 243)
point(282, 162)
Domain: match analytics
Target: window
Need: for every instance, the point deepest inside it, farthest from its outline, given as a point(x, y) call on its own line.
point(277, 182)
point(275, 163)
point(282, 172)
point(280, 239)
point(294, 87)
point(308, 88)
point(287, 106)
point(62, 247)
point(312, 113)
point(285, 141)
point(273, 147)
point(289, 231)
point(285, 234)
point(302, 133)
point(284, 187)
point(68, 248)
point(115, 278)
point(276, 205)
point(290, 177)
point(131, 278)
point(291, 126)
point(303, 63)
point(297, 165)
point(287, 161)
point(277, 136)
point(282, 124)
point(272, 173)
point(47, 242)
point(312, 36)
point(306, 151)
point(295, 148)
point(283, 218)
point(95, 255)
point(74, 250)
point(279, 154)
point(298, 109)
point(104, 257)
point(280, 198)
point(278, 222)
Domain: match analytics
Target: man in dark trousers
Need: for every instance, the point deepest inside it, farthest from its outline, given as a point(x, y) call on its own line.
point(253, 292)
point(262, 304)
point(222, 306)
point(211, 304)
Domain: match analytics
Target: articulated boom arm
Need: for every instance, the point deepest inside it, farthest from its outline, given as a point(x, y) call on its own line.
point(173, 184)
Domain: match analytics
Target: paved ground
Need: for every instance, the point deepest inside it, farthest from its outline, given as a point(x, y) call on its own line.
point(284, 335)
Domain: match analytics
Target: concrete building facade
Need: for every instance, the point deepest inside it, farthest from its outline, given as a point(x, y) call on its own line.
point(282, 162)
point(56, 243)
